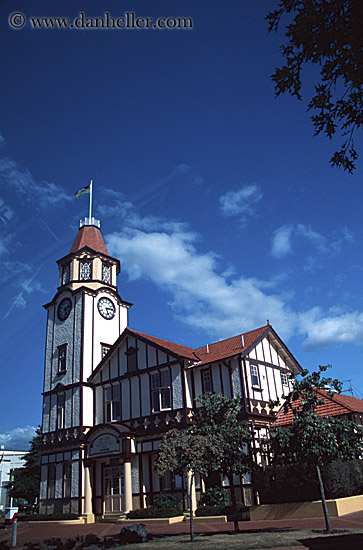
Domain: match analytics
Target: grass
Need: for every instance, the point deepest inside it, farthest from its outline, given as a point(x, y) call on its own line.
point(352, 539)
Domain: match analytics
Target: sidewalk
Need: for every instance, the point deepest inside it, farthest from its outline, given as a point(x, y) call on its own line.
point(39, 532)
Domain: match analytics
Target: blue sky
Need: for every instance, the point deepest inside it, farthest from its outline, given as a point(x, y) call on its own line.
point(216, 197)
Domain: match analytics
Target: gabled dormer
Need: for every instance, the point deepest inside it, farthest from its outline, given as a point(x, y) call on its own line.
point(88, 262)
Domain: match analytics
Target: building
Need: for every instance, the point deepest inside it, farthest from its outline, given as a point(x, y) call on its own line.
point(9, 461)
point(338, 405)
point(111, 392)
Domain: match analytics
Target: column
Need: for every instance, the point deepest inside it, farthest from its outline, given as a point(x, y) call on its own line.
point(128, 487)
point(88, 515)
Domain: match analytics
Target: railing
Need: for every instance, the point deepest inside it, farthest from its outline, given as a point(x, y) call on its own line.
point(90, 221)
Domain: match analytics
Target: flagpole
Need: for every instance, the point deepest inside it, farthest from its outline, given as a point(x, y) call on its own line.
point(90, 203)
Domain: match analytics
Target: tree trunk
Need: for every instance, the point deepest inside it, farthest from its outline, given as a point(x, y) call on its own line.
point(190, 498)
point(233, 498)
point(323, 501)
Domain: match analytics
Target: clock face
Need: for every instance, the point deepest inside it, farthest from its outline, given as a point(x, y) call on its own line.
point(106, 308)
point(64, 309)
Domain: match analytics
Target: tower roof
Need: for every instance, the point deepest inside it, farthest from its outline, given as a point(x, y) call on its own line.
point(90, 236)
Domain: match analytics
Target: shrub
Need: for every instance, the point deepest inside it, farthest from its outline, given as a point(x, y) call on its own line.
point(154, 512)
point(215, 496)
point(52, 517)
point(165, 500)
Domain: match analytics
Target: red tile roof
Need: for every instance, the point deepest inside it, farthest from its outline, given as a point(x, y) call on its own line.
point(216, 351)
point(337, 405)
point(183, 351)
point(90, 236)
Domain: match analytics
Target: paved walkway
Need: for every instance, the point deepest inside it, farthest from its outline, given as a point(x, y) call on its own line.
point(38, 532)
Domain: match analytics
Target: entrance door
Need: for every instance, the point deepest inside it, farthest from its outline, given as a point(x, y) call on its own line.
point(113, 489)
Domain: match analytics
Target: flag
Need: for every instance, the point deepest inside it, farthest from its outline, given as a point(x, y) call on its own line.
point(83, 191)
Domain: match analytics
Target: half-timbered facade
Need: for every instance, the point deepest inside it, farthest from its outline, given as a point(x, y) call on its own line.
point(111, 392)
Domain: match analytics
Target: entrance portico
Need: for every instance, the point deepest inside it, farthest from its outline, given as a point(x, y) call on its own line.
point(108, 471)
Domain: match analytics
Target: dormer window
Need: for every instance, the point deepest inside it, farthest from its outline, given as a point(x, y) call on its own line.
point(106, 273)
point(85, 271)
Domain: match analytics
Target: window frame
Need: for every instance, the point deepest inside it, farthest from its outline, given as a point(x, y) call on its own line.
point(284, 377)
point(112, 403)
point(161, 393)
point(61, 417)
point(255, 376)
point(62, 360)
point(203, 372)
point(131, 354)
point(105, 347)
point(109, 266)
point(85, 261)
point(51, 481)
point(67, 480)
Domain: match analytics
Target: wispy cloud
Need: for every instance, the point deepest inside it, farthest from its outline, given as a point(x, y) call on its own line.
point(20, 181)
point(281, 241)
point(287, 236)
point(17, 439)
point(330, 328)
point(241, 202)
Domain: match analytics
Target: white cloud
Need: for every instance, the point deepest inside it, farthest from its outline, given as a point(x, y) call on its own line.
point(334, 327)
point(21, 181)
point(281, 241)
point(287, 235)
point(200, 296)
point(241, 202)
point(17, 439)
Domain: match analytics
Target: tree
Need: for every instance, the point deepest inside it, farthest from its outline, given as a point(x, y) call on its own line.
point(214, 443)
point(327, 34)
point(218, 414)
point(311, 438)
point(186, 453)
point(25, 481)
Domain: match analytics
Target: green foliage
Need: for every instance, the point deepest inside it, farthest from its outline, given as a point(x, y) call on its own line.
point(327, 34)
point(53, 517)
point(26, 480)
point(164, 500)
point(311, 438)
point(298, 482)
point(218, 417)
point(155, 512)
point(215, 496)
point(220, 510)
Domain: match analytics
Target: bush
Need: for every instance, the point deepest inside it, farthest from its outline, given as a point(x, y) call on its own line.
point(203, 511)
point(154, 512)
point(298, 483)
point(165, 500)
point(52, 517)
point(215, 496)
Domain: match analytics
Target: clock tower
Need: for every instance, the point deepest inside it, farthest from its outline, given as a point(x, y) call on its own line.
point(85, 318)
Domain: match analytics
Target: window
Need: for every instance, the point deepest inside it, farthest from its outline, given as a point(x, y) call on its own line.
point(207, 386)
point(105, 348)
point(62, 358)
point(67, 479)
point(160, 391)
point(284, 379)
point(60, 410)
point(66, 274)
point(131, 359)
point(85, 271)
point(106, 273)
point(254, 376)
point(51, 481)
point(112, 396)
